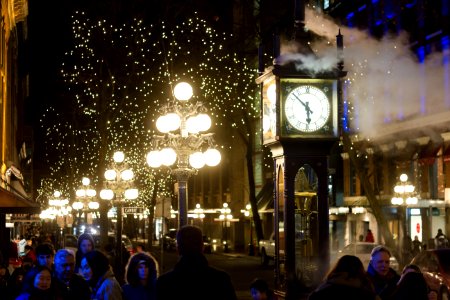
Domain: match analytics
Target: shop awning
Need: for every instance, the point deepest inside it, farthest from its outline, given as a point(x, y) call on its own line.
point(11, 203)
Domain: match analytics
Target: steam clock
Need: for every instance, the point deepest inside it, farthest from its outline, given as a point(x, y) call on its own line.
point(301, 123)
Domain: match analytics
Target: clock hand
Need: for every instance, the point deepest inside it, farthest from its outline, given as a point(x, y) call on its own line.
point(307, 109)
point(308, 112)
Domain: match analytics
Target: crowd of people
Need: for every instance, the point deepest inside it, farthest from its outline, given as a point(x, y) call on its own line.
point(46, 274)
point(349, 280)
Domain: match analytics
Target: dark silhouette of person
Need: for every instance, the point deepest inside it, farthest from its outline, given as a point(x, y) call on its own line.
point(259, 289)
point(192, 277)
point(416, 246)
point(440, 240)
point(346, 280)
point(412, 286)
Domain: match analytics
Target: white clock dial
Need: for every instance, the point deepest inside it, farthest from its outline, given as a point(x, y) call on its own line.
point(307, 108)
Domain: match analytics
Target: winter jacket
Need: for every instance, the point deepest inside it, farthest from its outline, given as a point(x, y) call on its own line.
point(193, 278)
point(131, 292)
point(107, 288)
point(76, 289)
point(384, 285)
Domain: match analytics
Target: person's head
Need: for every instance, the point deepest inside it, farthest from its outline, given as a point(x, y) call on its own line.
point(380, 260)
point(440, 231)
point(64, 265)
point(39, 277)
point(189, 240)
point(411, 268)
point(141, 267)
point(94, 265)
point(44, 254)
point(140, 248)
point(416, 238)
point(349, 264)
point(259, 289)
point(412, 284)
point(27, 263)
point(85, 243)
point(4, 273)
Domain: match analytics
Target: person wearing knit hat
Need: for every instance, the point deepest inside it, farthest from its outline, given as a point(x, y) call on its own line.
point(85, 244)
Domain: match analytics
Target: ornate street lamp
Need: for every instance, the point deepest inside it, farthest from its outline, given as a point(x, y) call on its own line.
point(119, 180)
point(85, 196)
point(404, 195)
point(60, 210)
point(248, 214)
point(226, 218)
point(183, 142)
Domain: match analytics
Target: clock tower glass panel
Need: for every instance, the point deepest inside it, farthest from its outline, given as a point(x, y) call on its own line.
point(308, 108)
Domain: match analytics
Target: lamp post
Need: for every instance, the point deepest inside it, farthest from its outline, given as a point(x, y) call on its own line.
point(85, 196)
point(60, 210)
point(199, 214)
point(182, 124)
point(226, 217)
point(119, 179)
point(248, 214)
point(404, 195)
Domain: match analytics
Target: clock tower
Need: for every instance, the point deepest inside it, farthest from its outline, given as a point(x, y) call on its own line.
point(300, 123)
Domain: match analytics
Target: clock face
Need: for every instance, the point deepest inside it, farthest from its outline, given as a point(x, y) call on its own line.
point(307, 108)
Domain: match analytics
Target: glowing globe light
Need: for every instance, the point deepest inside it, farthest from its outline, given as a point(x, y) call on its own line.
point(107, 194)
point(173, 121)
point(91, 192)
point(127, 174)
point(183, 91)
point(93, 205)
point(197, 160)
point(110, 174)
point(131, 194)
point(85, 181)
point(192, 124)
point(203, 122)
point(153, 159)
point(118, 156)
point(80, 193)
point(77, 205)
point(212, 157)
point(168, 156)
point(162, 125)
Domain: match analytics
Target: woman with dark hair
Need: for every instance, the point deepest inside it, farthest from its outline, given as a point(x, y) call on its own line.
point(37, 284)
point(346, 280)
point(140, 275)
point(97, 272)
point(85, 244)
point(412, 286)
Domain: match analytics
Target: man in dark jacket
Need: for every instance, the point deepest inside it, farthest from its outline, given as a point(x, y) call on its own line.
point(383, 277)
point(67, 284)
point(192, 277)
